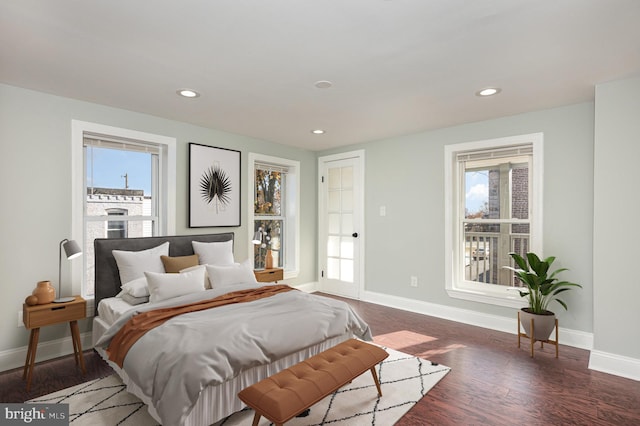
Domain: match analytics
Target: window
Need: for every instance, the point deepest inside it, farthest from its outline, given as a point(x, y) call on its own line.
point(117, 228)
point(274, 210)
point(127, 185)
point(493, 193)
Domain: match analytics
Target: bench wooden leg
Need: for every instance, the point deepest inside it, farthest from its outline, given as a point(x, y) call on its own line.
point(375, 379)
point(256, 419)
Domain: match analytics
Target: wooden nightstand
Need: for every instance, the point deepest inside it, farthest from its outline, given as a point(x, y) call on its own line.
point(269, 275)
point(38, 316)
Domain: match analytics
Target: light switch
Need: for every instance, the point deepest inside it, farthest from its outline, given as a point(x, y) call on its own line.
point(383, 210)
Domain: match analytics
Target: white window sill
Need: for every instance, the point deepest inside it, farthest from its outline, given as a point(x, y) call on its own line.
point(290, 274)
point(507, 298)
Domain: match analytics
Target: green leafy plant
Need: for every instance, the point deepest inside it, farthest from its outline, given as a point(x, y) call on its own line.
point(542, 285)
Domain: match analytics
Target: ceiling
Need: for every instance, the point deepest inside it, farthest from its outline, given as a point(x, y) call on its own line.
point(396, 66)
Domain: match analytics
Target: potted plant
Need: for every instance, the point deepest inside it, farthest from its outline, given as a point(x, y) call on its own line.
point(542, 287)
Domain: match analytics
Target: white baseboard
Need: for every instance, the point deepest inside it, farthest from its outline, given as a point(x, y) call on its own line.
point(15, 358)
point(307, 287)
point(575, 338)
point(615, 364)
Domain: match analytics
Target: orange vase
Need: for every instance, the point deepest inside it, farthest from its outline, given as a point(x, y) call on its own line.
point(268, 260)
point(44, 292)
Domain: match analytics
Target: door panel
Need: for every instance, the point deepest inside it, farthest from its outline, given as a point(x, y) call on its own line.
point(341, 220)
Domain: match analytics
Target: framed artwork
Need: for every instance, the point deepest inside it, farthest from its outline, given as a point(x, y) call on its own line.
point(214, 186)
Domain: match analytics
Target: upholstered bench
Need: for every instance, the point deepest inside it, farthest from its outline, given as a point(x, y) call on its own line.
point(290, 392)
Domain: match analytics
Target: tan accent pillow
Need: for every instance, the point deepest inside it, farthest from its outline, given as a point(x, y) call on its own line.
point(173, 265)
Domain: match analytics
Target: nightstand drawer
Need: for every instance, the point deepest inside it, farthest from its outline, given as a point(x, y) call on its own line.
point(269, 275)
point(53, 313)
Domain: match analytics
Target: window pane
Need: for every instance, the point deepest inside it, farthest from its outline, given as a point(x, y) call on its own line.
point(119, 184)
point(334, 178)
point(347, 177)
point(268, 195)
point(334, 223)
point(346, 247)
point(476, 194)
point(117, 178)
point(495, 189)
point(333, 269)
point(334, 201)
point(347, 200)
point(347, 224)
point(500, 191)
point(333, 246)
point(346, 270)
point(100, 229)
point(272, 239)
point(487, 247)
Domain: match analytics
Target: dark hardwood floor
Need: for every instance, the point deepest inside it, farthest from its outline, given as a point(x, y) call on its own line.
point(491, 382)
point(50, 376)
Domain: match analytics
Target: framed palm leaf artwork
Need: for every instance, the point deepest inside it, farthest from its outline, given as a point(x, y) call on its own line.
point(214, 186)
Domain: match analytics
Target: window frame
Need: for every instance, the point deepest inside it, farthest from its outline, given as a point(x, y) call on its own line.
point(166, 187)
point(291, 206)
point(454, 207)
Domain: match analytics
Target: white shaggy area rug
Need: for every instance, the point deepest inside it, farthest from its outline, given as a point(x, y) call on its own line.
point(404, 379)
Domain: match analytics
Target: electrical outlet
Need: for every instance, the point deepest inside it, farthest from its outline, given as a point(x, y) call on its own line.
point(414, 281)
point(20, 322)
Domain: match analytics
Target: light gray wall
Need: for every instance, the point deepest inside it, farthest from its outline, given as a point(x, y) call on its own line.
point(35, 191)
point(617, 205)
point(406, 174)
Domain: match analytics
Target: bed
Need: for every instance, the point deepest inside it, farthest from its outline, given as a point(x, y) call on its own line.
point(211, 380)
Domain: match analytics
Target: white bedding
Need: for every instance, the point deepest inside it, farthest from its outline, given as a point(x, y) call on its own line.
point(217, 400)
point(112, 308)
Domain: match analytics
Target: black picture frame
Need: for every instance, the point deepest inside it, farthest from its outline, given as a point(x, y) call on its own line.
point(214, 186)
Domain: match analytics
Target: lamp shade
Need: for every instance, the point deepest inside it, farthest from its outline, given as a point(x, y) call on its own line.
point(71, 249)
point(257, 238)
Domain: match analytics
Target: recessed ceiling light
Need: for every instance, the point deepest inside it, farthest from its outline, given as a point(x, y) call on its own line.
point(317, 132)
point(188, 93)
point(489, 91)
point(323, 84)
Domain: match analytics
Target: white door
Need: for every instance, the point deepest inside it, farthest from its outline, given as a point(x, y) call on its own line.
point(341, 223)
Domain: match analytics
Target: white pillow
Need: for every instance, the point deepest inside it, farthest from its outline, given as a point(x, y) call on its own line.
point(238, 273)
point(219, 253)
point(133, 264)
point(166, 286)
point(207, 284)
point(136, 288)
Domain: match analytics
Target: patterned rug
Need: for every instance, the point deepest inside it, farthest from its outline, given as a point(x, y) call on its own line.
point(405, 379)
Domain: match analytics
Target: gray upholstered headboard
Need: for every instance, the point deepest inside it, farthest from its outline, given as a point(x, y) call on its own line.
point(107, 277)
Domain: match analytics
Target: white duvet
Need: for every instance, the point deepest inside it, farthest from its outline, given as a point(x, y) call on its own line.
point(173, 363)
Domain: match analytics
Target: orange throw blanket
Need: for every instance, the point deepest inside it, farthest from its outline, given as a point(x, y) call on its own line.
point(137, 326)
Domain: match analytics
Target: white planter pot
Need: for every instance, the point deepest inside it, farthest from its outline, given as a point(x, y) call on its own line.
point(543, 325)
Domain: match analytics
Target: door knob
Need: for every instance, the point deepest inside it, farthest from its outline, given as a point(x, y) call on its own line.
point(354, 235)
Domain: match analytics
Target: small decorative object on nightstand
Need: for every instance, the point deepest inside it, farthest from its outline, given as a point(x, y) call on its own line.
point(44, 293)
point(37, 316)
point(269, 275)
